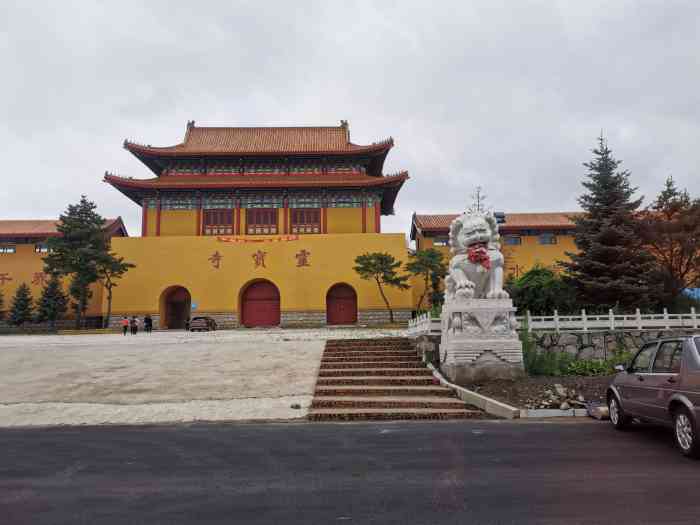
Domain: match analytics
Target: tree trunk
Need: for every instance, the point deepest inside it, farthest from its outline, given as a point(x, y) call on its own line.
point(105, 324)
point(425, 291)
point(386, 302)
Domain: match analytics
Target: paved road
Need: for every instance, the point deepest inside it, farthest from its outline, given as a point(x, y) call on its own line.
point(481, 472)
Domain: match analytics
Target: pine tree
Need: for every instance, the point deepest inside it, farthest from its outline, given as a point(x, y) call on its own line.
point(612, 268)
point(53, 302)
point(21, 308)
point(381, 267)
point(430, 267)
point(111, 268)
point(76, 252)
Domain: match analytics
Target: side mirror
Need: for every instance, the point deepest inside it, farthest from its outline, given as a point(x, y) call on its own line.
point(620, 368)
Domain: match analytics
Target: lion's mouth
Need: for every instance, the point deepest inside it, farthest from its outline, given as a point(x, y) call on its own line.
point(478, 254)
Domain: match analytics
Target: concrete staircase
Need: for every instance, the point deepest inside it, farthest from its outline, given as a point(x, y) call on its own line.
point(380, 379)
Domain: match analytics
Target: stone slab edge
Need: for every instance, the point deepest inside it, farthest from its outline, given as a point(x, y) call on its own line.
point(553, 412)
point(488, 405)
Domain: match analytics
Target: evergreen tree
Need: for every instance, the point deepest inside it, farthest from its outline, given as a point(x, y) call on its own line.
point(612, 268)
point(670, 229)
point(21, 308)
point(53, 302)
point(111, 268)
point(430, 267)
point(381, 267)
point(76, 252)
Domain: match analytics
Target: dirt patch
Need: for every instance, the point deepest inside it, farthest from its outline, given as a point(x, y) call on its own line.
point(532, 392)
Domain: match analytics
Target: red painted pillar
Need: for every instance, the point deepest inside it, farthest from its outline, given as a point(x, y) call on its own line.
point(238, 216)
point(377, 217)
point(158, 216)
point(199, 215)
point(144, 217)
point(285, 210)
point(364, 214)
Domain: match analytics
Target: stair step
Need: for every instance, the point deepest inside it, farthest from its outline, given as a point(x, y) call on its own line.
point(363, 391)
point(375, 372)
point(334, 365)
point(356, 414)
point(375, 341)
point(388, 402)
point(405, 355)
point(371, 359)
point(374, 381)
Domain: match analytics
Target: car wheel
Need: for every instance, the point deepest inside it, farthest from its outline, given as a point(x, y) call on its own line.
point(684, 432)
point(617, 416)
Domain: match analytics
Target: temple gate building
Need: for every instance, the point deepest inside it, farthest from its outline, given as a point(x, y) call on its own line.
point(259, 226)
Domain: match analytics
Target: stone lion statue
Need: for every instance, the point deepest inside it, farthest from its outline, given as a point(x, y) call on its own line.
point(476, 268)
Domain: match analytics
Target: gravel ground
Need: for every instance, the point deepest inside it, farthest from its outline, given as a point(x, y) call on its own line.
point(519, 393)
point(162, 377)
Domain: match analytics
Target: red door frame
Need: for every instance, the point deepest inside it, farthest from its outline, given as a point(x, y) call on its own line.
point(341, 304)
point(260, 304)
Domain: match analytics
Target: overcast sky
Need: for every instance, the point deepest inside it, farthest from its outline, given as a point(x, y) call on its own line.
point(510, 96)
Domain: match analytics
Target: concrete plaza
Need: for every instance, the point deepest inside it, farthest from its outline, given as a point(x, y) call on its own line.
point(163, 377)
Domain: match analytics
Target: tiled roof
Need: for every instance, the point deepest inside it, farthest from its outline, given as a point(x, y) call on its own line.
point(41, 228)
point(261, 141)
point(390, 184)
point(176, 182)
point(513, 221)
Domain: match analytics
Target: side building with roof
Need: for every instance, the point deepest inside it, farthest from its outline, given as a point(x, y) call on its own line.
point(22, 249)
point(259, 226)
point(527, 239)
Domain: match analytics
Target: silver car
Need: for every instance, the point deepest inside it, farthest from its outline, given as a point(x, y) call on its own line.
point(661, 385)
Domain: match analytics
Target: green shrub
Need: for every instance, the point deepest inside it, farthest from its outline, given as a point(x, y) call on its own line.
point(544, 363)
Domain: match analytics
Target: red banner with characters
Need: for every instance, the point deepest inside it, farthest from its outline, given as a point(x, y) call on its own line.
point(271, 238)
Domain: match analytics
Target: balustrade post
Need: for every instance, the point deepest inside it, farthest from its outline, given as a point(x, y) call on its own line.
point(529, 321)
point(694, 317)
point(611, 318)
point(638, 314)
point(584, 320)
point(666, 323)
point(556, 321)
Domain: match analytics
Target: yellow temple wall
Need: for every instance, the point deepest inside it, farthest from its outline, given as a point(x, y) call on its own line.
point(344, 220)
point(151, 221)
point(178, 222)
point(162, 262)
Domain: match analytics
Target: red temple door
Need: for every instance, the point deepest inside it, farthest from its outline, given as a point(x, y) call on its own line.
point(341, 305)
point(261, 305)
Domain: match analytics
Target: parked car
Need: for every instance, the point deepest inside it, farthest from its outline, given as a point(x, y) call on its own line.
point(202, 324)
point(661, 385)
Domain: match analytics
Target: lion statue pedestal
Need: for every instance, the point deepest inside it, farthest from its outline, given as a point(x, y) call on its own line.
point(479, 340)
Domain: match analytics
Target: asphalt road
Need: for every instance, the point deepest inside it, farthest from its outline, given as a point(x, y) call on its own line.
point(481, 472)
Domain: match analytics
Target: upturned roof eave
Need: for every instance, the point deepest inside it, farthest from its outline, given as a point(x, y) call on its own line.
point(132, 188)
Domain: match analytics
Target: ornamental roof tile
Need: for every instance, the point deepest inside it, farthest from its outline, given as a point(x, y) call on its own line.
point(213, 181)
point(41, 228)
point(261, 141)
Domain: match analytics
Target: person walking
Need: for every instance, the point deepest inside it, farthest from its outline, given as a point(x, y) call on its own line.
point(148, 323)
point(134, 325)
point(125, 325)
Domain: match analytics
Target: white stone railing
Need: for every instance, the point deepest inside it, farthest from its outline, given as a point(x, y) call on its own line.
point(585, 323)
point(426, 325)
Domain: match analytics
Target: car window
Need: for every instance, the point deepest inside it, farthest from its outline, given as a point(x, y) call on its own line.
point(668, 358)
point(643, 359)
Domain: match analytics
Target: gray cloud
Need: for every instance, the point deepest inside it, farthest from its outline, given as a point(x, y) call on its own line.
point(509, 96)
